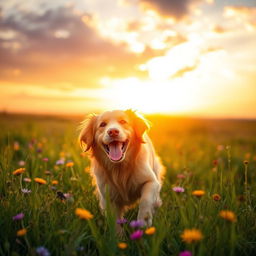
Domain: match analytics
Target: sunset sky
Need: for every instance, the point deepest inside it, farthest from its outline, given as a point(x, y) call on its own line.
point(179, 57)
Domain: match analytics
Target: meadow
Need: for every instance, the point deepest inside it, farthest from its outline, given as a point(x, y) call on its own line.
point(208, 192)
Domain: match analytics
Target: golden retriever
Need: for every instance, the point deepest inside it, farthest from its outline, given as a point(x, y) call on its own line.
point(123, 157)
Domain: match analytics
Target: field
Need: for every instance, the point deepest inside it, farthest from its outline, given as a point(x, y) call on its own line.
point(212, 156)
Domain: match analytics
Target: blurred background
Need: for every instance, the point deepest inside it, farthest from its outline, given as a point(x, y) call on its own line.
point(189, 58)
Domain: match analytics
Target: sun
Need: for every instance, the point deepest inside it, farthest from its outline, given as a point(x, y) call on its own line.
point(149, 96)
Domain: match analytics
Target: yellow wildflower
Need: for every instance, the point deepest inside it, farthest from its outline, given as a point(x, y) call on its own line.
point(122, 245)
point(69, 164)
point(228, 215)
point(150, 231)
point(55, 182)
point(216, 197)
point(198, 193)
point(19, 171)
point(40, 181)
point(191, 235)
point(83, 214)
point(21, 232)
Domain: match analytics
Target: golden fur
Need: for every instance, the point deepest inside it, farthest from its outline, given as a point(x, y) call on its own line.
point(137, 174)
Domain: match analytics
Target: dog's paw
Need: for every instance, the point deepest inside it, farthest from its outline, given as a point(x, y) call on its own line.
point(146, 215)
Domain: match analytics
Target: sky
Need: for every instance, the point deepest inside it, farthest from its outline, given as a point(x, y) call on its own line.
point(189, 57)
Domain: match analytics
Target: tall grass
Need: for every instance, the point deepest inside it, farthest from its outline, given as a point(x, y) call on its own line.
point(206, 155)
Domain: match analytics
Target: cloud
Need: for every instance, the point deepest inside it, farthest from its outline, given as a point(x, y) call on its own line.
point(175, 8)
point(242, 14)
point(56, 46)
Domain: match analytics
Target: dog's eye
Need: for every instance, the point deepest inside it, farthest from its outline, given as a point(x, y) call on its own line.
point(103, 124)
point(122, 122)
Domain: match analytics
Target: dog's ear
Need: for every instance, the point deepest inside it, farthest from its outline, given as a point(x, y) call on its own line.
point(87, 133)
point(140, 124)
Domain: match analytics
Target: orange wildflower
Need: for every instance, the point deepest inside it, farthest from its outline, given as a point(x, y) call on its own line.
point(191, 235)
point(70, 164)
point(150, 231)
point(198, 193)
point(19, 171)
point(40, 181)
point(21, 232)
point(55, 182)
point(122, 245)
point(228, 215)
point(216, 197)
point(83, 214)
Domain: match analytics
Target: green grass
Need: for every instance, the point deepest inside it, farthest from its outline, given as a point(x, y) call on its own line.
point(186, 146)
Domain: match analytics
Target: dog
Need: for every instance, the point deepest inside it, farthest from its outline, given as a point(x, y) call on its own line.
point(124, 159)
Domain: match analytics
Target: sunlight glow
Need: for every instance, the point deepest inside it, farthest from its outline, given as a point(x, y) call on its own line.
point(150, 97)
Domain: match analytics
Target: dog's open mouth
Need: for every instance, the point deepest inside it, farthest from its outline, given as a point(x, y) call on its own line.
point(116, 150)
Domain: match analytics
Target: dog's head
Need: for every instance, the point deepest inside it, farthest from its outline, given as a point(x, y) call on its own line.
point(113, 133)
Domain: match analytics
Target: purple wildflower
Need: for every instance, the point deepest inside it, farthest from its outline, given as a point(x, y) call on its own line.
point(136, 234)
point(137, 223)
point(185, 253)
point(60, 161)
point(121, 221)
point(39, 150)
point(42, 251)
point(25, 191)
point(178, 189)
point(19, 216)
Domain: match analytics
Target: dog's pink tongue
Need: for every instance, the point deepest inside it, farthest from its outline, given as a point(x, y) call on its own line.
point(115, 150)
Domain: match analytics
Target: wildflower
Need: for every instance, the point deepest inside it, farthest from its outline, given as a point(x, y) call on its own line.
point(191, 235)
point(181, 176)
point(47, 172)
point(27, 180)
point(220, 147)
point(16, 145)
point(55, 182)
point(137, 223)
point(40, 181)
point(122, 245)
point(83, 214)
point(18, 171)
point(70, 164)
point(150, 231)
point(198, 193)
point(19, 216)
point(21, 163)
point(21, 232)
point(80, 249)
point(42, 251)
point(60, 162)
point(45, 159)
point(215, 162)
point(228, 215)
point(246, 162)
point(121, 221)
point(216, 197)
point(178, 189)
point(185, 253)
point(25, 191)
point(68, 195)
point(39, 150)
point(136, 234)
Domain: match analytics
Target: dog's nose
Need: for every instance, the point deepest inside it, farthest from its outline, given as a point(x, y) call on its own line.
point(113, 132)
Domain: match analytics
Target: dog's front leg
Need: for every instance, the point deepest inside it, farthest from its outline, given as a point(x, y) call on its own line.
point(150, 198)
